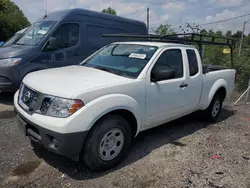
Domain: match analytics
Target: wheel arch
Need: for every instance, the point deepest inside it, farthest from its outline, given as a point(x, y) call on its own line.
point(126, 114)
point(218, 87)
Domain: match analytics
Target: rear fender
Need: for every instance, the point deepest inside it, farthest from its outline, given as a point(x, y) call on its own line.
point(216, 86)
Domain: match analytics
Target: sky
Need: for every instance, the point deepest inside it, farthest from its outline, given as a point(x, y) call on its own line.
point(174, 12)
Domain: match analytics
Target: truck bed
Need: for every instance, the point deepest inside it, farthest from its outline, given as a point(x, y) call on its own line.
point(209, 68)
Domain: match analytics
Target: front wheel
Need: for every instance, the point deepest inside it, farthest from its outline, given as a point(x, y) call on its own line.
point(107, 143)
point(212, 113)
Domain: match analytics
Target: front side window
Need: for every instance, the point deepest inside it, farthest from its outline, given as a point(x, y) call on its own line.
point(192, 62)
point(122, 59)
point(36, 33)
point(171, 59)
point(67, 35)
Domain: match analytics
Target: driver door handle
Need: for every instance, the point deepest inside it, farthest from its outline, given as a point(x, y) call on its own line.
point(183, 85)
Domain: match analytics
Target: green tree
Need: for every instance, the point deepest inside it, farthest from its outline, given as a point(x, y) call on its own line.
point(237, 34)
point(214, 55)
point(229, 34)
point(109, 11)
point(219, 33)
point(211, 32)
point(203, 31)
point(164, 29)
point(12, 19)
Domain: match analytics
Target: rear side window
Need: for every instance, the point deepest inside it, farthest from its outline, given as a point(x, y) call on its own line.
point(67, 35)
point(192, 62)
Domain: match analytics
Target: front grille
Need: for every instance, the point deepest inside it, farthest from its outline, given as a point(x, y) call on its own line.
point(45, 105)
point(32, 101)
point(28, 96)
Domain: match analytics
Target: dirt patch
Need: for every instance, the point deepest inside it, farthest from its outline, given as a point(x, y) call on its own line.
point(146, 183)
point(176, 143)
point(26, 168)
point(6, 114)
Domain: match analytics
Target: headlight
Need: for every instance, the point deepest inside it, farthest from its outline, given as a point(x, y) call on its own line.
point(64, 107)
point(10, 61)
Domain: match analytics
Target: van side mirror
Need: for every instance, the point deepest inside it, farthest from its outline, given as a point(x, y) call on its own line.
point(162, 73)
point(52, 44)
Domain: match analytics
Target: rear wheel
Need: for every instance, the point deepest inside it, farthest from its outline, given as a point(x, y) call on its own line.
point(212, 113)
point(107, 143)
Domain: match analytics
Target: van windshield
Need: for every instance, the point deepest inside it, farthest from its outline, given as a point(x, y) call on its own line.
point(12, 40)
point(122, 59)
point(35, 33)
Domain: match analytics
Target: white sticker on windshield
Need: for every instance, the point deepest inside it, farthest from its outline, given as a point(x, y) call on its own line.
point(139, 56)
point(43, 32)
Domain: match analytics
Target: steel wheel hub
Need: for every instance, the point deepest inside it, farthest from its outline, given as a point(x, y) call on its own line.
point(111, 144)
point(216, 108)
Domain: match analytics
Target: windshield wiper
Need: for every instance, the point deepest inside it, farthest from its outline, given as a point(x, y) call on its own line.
point(109, 70)
point(21, 44)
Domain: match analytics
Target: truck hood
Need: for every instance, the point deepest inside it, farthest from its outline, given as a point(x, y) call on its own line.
point(69, 81)
point(14, 51)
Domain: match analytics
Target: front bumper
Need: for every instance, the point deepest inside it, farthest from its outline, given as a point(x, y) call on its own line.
point(66, 144)
point(9, 79)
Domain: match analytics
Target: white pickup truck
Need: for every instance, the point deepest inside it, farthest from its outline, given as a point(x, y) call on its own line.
point(92, 111)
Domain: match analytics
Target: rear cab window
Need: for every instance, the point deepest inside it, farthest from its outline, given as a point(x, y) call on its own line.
point(192, 62)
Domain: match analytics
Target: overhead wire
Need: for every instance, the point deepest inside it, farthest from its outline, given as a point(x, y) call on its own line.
point(224, 20)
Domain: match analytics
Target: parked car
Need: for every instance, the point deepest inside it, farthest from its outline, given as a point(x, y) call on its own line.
point(14, 38)
point(62, 38)
point(93, 110)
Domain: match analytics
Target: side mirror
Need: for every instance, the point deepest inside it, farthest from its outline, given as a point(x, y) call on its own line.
point(52, 44)
point(162, 73)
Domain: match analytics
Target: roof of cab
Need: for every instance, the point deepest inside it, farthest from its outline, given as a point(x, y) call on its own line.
point(158, 44)
point(72, 14)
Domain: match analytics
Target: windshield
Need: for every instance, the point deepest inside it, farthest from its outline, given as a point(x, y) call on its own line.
point(15, 37)
point(12, 40)
point(122, 59)
point(35, 33)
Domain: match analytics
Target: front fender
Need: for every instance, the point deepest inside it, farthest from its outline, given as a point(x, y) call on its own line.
point(108, 103)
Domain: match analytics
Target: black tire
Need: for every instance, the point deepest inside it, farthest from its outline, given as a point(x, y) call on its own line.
point(208, 114)
point(91, 149)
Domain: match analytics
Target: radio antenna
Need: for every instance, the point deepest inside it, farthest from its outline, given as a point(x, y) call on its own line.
point(45, 15)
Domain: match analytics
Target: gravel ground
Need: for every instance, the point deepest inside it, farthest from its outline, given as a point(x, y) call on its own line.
point(184, 153)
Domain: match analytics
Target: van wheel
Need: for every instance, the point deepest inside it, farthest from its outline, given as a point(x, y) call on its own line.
point(107, 143)
point(212, 113)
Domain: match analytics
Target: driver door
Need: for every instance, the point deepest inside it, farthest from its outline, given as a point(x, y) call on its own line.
point(166, 99)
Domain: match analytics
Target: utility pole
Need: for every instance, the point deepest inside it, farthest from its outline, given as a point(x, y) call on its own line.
point(242, 36)
point(147, 20)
